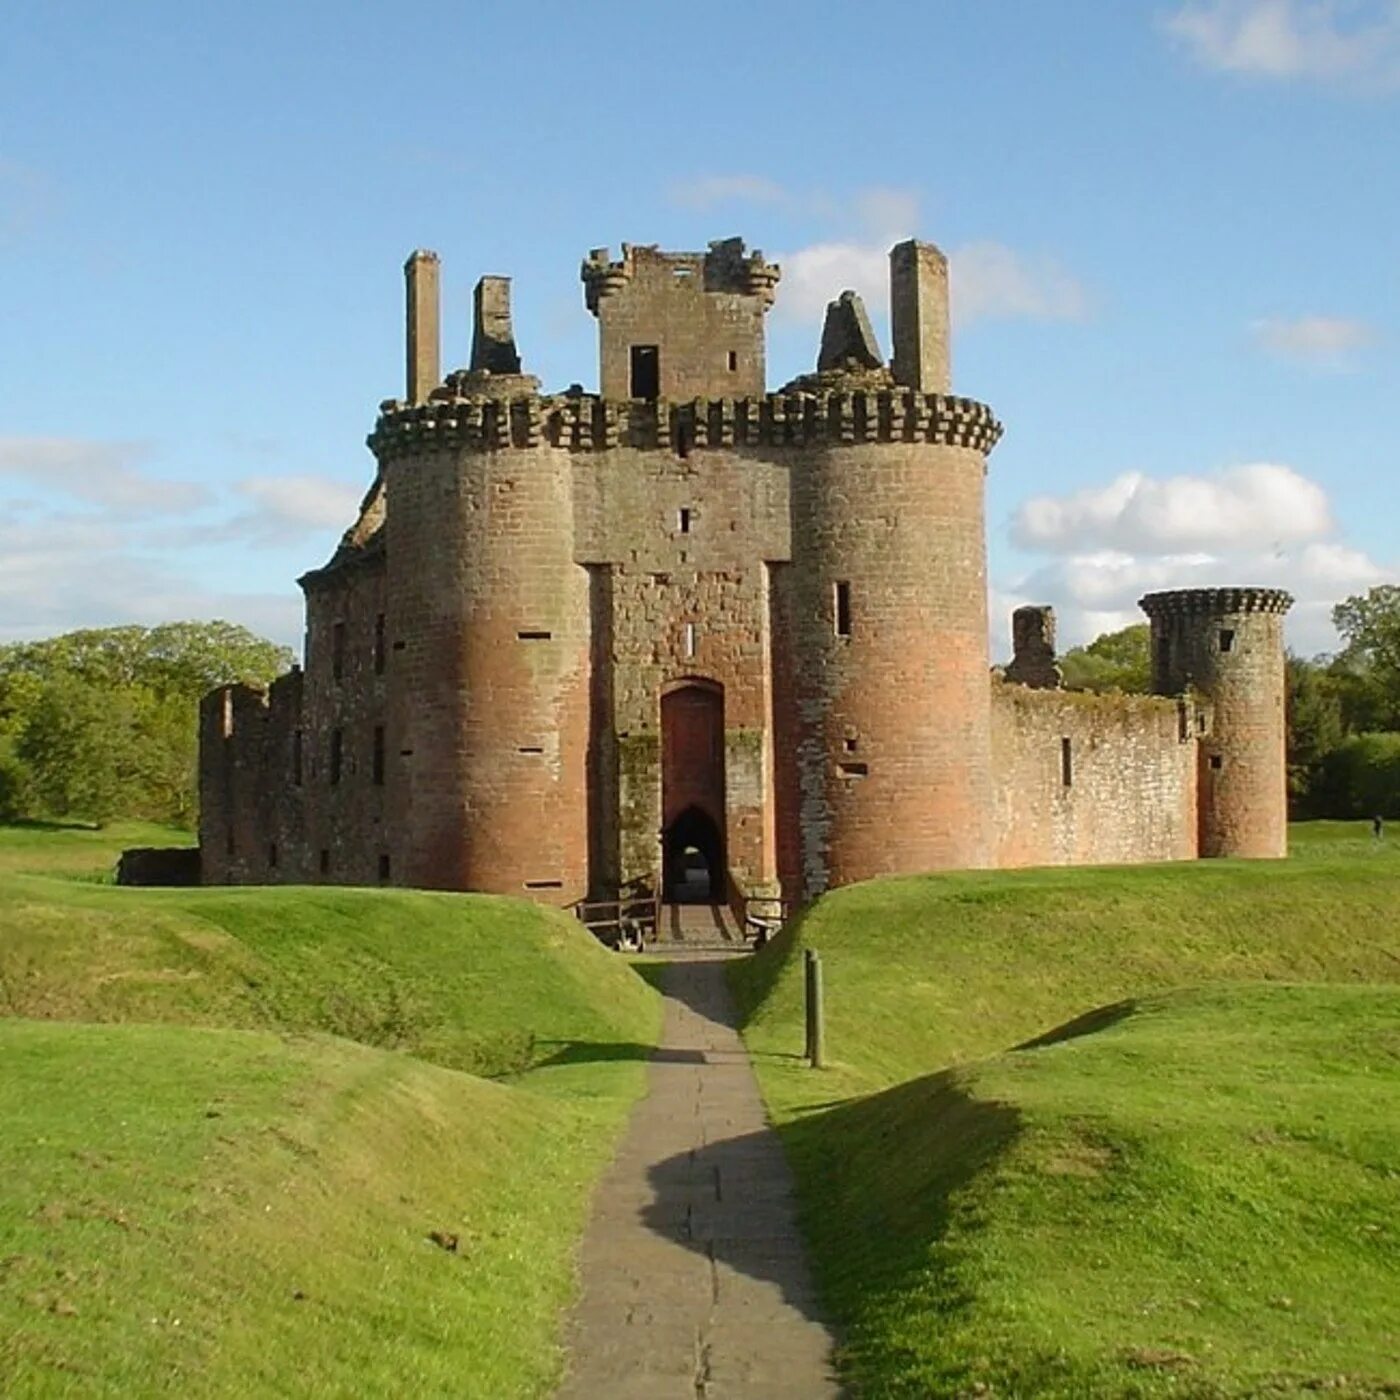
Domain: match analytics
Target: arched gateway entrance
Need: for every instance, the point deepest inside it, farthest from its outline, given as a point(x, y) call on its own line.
point(692, 793)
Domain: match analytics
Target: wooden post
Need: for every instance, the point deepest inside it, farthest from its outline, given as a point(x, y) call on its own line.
point(808, 957)
point(818, 1015)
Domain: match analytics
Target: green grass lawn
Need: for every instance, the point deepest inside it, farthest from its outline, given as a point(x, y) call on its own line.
point(79, 851)
point(1194, 1195)
point(233, 1118)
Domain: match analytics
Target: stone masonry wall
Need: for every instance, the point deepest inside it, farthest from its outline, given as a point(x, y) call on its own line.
point(1130, 762)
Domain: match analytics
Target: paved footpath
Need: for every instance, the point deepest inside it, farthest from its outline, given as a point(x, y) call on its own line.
point(694, 1278)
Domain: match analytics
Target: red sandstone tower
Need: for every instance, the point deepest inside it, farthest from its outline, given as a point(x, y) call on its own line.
point(1227, 645)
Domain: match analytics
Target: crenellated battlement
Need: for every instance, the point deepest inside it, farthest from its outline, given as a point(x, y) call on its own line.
point(589, 423)
point(1214, 601)
point(725, 268)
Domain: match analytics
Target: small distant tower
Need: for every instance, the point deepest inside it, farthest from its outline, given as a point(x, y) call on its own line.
point(1227, 644)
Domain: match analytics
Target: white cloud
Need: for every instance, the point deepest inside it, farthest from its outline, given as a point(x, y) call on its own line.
point(708, 191)
point(990, 280)
point(103, 474)
point(1260, 504)
point(986, 281)
point(1258, 525)
point(60, 574)
point(285, 506)
point(1318, 39)
point(1320, 340)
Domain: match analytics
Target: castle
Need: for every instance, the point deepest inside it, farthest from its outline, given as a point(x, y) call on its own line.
point(690, 636)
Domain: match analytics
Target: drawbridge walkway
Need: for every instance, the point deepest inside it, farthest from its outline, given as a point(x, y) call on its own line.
point(695, 1283)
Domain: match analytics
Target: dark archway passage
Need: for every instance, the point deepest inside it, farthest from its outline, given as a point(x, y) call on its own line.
point(692, 860)
point(692, 793)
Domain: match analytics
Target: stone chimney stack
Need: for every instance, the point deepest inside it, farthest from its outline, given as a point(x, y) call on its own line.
point(493, 338)
point(424, 338)
point(919, 317)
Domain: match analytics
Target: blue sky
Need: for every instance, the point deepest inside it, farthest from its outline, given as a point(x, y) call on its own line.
point(1173, 229)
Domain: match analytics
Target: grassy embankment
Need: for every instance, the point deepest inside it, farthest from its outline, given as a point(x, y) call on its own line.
point(209, 1187)
point(1185, 1192)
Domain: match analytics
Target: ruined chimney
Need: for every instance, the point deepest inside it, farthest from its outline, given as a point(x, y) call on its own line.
point(493, 339)
point(919, 317)
point(1033, 643)
point(423, 339)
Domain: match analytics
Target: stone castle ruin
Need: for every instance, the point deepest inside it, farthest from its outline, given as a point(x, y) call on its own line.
point(689, 635)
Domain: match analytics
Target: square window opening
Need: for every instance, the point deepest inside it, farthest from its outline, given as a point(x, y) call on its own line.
point(646, 372)
point(1227, 640)
point(1216, 761)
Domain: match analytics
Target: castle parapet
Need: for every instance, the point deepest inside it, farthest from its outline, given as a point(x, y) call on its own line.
point(1211, 602)
point(588, 423)
point(725, 268)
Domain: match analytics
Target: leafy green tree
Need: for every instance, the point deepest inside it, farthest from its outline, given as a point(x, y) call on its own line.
point(1315, 728)
point(1370, 661)
point(1115, 661)
point(104, 721)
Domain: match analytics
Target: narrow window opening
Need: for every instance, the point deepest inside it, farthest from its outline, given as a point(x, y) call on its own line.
point(531, 748)
point(228, 842)
point(843, 609)
point(325, 861)
point(379, 755)
point(733, 361)
point(337, 753)
point(682, 440)
point(1227, 640)
point(1066, 763)
point(683, 520)
point(646, 372)
point(853, 770)
point(1216, 761)
point(272, 855)
point(338, 650)
point(296, 757)
point(533, 636)
point(379, 645)
point(544, 884)
point(383, 870)
point(689, 639)
point(398, 646)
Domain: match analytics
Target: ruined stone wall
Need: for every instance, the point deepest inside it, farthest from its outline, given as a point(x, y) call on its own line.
point(251, 809)
point(346, 763)
point(1083, 779)
point(488, 616)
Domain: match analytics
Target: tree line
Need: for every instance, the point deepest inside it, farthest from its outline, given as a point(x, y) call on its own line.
point(1343, 709)
point(103, 722)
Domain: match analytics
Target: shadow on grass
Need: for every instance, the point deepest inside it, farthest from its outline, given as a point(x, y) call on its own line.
point(1099, 1019)
point(583, 1052)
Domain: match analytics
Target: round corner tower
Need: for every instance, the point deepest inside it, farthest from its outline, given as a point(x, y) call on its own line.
point(488, 615)
point(1227, 644)
point(890, 594)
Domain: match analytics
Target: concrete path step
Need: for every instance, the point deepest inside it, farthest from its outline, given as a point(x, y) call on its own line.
point(698, 926)
point(695, 1283)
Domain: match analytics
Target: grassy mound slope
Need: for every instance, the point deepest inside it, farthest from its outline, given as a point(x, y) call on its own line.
point(930, 971)
point(472, 982)
point(915, 1197)
point(208, 1194)
point(210, 1212)
point(1196, 1194)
